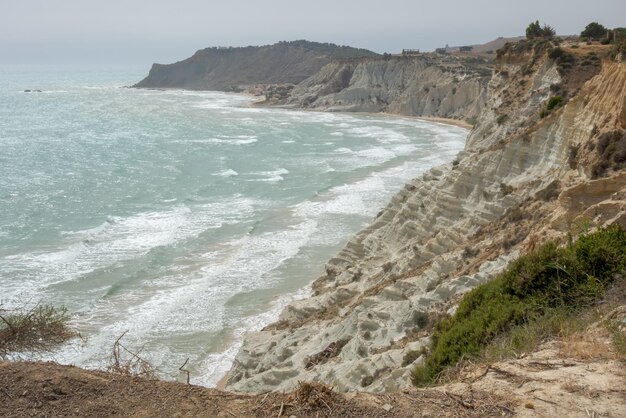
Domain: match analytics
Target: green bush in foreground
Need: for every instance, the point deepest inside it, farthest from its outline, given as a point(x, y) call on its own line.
point(537, 287)
point(35, 330)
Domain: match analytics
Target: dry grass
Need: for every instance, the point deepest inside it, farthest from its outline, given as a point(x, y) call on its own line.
point(126, 362)
point(34, 330)
point(333, 350)
point(586, 345)
point(312, 396)
point(308, 399)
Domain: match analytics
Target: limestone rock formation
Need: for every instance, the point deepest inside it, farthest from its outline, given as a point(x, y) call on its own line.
point(526, 175)
point(415, 86)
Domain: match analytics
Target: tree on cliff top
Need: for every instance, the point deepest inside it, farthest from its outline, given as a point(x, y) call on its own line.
point(535, 30)
point(594, 30)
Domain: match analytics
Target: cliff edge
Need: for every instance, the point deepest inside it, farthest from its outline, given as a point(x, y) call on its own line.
point(547, 151)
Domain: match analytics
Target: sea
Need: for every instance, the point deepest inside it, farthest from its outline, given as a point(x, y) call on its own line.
point(181, 219)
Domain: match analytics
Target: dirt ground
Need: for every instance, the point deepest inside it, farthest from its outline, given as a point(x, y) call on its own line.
point(581, 375)
point(548, 383)
point(52, 390)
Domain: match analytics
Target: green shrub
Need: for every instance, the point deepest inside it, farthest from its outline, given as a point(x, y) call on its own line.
point(501, 119)
point(611, 149)
point(554, 102)
point(556, 53)
point(37, 329)
point(535, 291)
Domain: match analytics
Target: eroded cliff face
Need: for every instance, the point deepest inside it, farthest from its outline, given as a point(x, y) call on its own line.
point(521, 180)
point(414, 86)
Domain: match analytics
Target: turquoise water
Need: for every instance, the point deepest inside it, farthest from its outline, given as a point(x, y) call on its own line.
point(184, 218)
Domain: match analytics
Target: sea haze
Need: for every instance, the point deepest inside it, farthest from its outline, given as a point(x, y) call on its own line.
point(184, 218)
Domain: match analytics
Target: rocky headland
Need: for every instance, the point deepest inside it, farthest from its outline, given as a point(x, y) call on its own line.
point(236, 69)
point(529, 172)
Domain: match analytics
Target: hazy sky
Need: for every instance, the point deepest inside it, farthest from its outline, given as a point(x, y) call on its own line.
point(146, 31)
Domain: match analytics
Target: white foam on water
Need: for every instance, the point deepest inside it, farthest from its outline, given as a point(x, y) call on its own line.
point(216, 365)
point(381, 134)
point(116, 240)
point(227, 173)
point(216, 100)
point(194, 302)
point(236, 140)
point(272, 176)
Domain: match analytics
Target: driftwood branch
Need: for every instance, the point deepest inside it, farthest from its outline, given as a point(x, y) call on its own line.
point(182, 369)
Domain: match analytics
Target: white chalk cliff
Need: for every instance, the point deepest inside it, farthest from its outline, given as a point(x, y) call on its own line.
point(420, 85)
point(522, 179)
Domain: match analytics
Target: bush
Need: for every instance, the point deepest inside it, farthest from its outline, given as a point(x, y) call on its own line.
point(535, 30)
point(35, 330)
point(594, 30)
point(554, 102)
point(535, 289)
point(556, 53)
point(611, 151)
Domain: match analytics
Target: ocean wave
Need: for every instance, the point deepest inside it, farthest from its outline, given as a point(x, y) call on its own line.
point(116, 240)
point(196, 302)
point(216, 365)
point(381, 134)
point(270, 176)
point(228, 140)
point(227, 173)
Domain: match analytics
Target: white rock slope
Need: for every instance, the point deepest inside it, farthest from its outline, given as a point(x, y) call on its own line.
point(415, 86)
point(446, 232)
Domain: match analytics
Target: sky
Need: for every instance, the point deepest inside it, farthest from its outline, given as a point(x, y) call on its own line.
point(140, 32)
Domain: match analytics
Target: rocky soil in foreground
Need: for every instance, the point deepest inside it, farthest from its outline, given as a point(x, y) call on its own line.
point(578, 377)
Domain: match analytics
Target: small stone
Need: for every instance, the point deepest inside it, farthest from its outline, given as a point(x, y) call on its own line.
point(387, 407)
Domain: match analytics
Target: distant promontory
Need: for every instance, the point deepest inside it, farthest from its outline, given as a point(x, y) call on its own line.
point(232, 69)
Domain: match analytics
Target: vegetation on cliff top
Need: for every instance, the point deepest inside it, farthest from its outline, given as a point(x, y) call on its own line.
point(330, 49)
point(594, 30)
point(324, 48)
point(540, 288)
point(535, 30)
point(34, 330)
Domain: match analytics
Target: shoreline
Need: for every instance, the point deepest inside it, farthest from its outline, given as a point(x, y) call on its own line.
point(262, 103)
point(253, 101)
point(435, 119)
point(447, 121)
point(221, 384)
